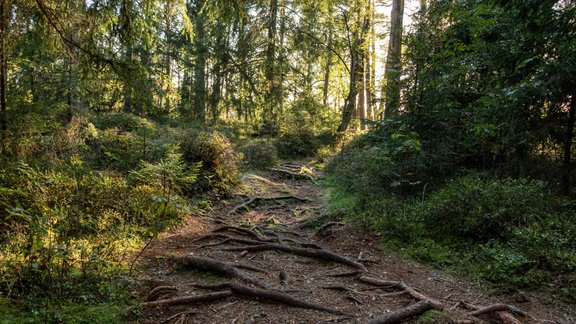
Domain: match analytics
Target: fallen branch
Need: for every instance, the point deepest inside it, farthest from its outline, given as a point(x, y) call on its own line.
point(218, 267)
point(401, 286)
point(404, 313)
point(189, 299)
point(312, 253)
point(269, 295)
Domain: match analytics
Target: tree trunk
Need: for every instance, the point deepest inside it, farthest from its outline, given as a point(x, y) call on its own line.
point(200, 67)
point(269, 118)
point(394, 60)
point(4, 14)
point(327, 68)
point(350, 103)
point(126, 41)
point(168, 56)
point(567, 163)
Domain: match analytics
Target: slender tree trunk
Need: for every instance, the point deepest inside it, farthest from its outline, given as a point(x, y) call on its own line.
point(269, 114)
point(567, 163)
point(394, 60)
point(200, 67)
point(4, 14)
point(282, 56)
point(126, 40)
point(168, 58)
point(355, 62)
point(327, 69)
point(371, 61)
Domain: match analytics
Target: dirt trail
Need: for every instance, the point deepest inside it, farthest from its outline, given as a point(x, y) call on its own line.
point(311, 265)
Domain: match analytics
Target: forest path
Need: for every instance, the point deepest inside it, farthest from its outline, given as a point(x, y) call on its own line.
point(288, 268)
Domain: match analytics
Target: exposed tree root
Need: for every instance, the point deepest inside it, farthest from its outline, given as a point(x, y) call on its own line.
point(310, 222)
point(250, 267)
point(218, 267)
point(343, 274)
point(189, 299)
point(182, 317)
point(160, 291)
point(293, 175)
point(327, 226)
point(243, 230)
point(404, 313)
point(312, 253)
point(400, 286)
point(499, 308)
point(504, 312)
point(246, 204)
point(269, 295)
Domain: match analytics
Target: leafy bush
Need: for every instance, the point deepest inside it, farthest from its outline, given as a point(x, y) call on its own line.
point(220, 161)
point(515, 234)
point(295, 145)
point(121, 121)
point(382, 163)
point(260, 155)
point(481, 208)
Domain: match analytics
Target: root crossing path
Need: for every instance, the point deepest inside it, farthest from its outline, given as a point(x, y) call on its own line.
point(270, 255)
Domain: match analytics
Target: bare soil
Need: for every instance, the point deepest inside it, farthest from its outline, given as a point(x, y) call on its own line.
point(310, 279)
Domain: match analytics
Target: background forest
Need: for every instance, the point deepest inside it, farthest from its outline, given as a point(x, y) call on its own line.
point(452, 137)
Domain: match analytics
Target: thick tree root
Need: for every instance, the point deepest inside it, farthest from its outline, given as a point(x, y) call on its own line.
point(312, 253)
point(400, 286)
point(293, 175)
point(218, 267)
point(327, 226)
point(243, 230)
point(269, 295)
point(252, 200)
point(405, 313)
point(499, 308)
point(189, 299)
point(160, 291)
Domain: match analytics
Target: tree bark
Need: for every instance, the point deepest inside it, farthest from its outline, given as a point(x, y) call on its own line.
point(269, 114)
point(4, 14)
point(394, 60)
point(200, 66)
point(567, 163)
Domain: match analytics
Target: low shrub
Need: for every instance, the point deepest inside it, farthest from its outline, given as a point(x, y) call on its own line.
point(513, 233)
point(481, 208)
point(297, 145)
point(260, 155)
point(220, 161)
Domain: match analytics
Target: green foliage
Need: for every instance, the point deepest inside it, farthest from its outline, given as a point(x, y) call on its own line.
point(297, 145)
point(513, 233)
point(384, 161)
point(481, 208)
point(260, 155)
point(219, 170)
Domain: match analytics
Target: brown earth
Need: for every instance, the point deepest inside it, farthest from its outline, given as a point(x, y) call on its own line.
point(310, 279)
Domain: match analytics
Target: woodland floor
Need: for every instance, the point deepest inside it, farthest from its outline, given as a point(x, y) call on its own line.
point(167, 276)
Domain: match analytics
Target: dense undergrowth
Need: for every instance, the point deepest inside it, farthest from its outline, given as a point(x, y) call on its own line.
point(79, 198)
point(81, 195)
point(516, 234)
